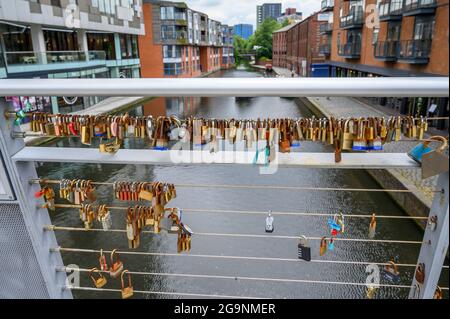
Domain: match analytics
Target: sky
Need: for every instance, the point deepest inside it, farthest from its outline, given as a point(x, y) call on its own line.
point(233, 12)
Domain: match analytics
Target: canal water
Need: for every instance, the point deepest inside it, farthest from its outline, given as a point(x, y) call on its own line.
point(279, 249)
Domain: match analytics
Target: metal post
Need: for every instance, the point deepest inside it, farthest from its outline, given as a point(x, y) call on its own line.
point(435, 244)
point(31, 265)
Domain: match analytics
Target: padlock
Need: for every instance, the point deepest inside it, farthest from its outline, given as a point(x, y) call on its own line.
point(102, 261)
point(372, 227)
point(371, 290)
point(331, 244)
point(335, 228)
point(304, 251)
point(432, 222)
point(391, 273)
point(438, 293)
point(341, 222)
point(435, 162)
point(269, 223)
point(323, 246)
point(116, 265)
point(106, 219)
point(420, 273)
point(99, 280)
point(127, 292)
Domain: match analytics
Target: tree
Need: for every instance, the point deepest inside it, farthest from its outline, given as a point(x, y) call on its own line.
point(263, 38)
point(285, 23)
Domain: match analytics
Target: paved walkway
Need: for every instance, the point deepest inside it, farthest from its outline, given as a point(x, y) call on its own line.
point(350, 107)
point(283, 72)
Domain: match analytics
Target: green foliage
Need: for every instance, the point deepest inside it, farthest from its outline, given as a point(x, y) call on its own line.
point(285, 23)
point(262, 39)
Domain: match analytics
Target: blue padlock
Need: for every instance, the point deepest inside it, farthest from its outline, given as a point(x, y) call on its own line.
point(418, 151)
point(334, 225)
point(331, 244)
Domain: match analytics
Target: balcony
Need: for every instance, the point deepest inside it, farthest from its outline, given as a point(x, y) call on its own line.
point(391, 10)
point(418, 7)
point(415, 51)
point(386, 51)
point(326, 28)
point(354, 20)
point(325, 49)
point(176, 37)
point(326, 5)
point(350, 50)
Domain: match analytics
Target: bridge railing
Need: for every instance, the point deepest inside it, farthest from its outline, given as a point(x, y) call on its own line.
point(23, 213)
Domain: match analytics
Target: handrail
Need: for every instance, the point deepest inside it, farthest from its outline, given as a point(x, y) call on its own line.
point(283, 87)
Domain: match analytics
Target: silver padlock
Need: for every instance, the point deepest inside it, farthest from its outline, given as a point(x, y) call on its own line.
point(432, 222)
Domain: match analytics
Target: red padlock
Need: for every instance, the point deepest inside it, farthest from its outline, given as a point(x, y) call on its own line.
point(39, 193)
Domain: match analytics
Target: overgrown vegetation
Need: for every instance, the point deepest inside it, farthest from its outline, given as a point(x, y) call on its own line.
point(259, 43)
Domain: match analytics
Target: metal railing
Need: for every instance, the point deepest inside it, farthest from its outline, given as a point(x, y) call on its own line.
point(326, 5)
point(411, 5)
point(49, 57)
point(386, 49)
point(390, 8)
point(415, 49)
point(326, 28)
point(325, 49)
point(354, 19)
point(21, 160)
point(351, 50)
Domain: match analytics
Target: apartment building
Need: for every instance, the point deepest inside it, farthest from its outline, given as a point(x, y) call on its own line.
point(244, 31)
point(181, 42)
point(267, 10)
point(411, 39)
point(69, 39)
point(290, 14)
point(296, 47)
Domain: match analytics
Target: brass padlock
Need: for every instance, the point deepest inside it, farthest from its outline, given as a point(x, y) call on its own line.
point(99, 280)
point(127, 292)
point(420, 273)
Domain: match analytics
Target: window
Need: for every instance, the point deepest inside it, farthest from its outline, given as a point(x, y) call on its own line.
point(101, 5)
point(424, 28)
point(394, 30)
point(56, 3)
point(172, 51)
point(102, 42)
point(167, 13)
point(94, 3)
point(172, 69)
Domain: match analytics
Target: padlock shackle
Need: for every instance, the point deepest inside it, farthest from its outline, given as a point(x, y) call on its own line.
point(437, 138)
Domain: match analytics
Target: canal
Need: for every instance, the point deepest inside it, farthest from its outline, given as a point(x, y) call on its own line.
point(208, 220)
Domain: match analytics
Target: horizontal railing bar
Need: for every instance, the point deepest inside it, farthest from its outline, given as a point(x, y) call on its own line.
point(358, 240)
point(161, 254)
point(152, 157)
point(285, 87)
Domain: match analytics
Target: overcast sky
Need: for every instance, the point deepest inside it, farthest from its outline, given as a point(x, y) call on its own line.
point(244, 11)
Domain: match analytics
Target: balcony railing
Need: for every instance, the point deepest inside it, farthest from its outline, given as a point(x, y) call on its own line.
point(50, 57)
point(391, 10)
point(386, 50)
point(325, 49)
point(326, 28)
point(327, 5)
point(350, 50)
point(174, 35)
point(353, 20)
point(415, 7)
point(415, 51)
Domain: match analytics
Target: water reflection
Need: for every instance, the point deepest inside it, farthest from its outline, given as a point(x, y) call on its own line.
point(244, 200)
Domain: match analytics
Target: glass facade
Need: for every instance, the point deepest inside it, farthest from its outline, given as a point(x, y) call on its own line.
point(102, 42)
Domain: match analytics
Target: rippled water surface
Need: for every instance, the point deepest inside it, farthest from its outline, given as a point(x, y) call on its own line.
point(231, 223)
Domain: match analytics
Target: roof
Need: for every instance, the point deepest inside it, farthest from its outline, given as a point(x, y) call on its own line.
point(287, 28)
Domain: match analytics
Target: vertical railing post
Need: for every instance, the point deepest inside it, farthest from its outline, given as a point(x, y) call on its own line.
point(435, 243)
point(27, 269)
